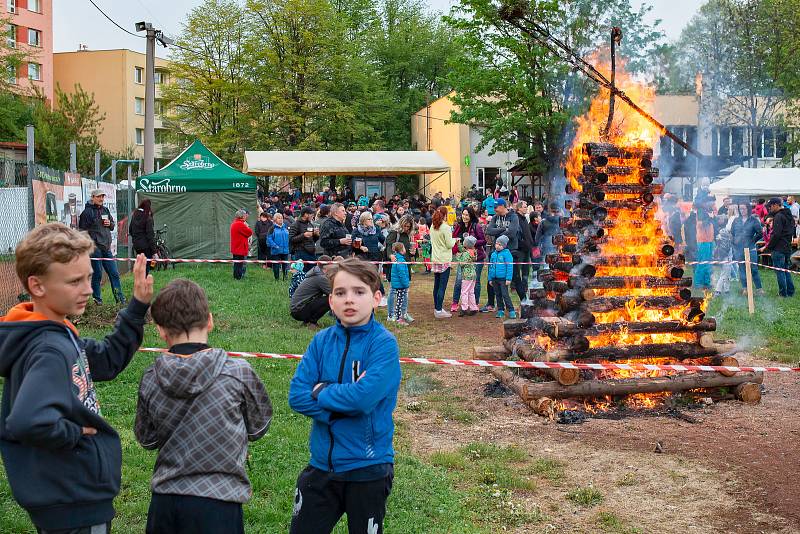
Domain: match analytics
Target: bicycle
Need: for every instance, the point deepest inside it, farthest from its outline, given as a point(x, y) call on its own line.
point(162, 250)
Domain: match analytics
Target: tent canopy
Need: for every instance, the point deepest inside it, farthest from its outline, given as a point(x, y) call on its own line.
point(196, 196)
point(350, 163)
point(759, 182)
point(196, 169)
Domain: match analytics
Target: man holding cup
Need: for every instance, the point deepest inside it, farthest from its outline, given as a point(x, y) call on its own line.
point(334, 239)
point(97, 221)
point(303, 237)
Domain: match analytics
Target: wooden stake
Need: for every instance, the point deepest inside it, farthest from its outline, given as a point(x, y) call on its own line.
point(751, 306)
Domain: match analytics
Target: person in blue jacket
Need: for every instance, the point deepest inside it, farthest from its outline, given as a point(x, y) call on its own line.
point(401, 281)
point(501, 269)
point(347, 382)
point(278, 242)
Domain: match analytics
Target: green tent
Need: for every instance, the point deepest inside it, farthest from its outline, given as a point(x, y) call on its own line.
point(196, 196)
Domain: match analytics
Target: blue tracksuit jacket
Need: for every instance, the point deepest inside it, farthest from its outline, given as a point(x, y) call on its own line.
point(500, 265)
point(352, 421)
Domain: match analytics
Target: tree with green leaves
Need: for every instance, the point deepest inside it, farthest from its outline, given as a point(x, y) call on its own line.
point(210, 96)
point(75, 117)
point(517, 91)
point(743, 53)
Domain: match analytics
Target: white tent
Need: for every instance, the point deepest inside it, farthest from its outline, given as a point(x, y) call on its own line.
point(350, 163)
point(759, 182)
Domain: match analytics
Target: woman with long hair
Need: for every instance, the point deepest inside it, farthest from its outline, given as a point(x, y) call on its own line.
point(442, 242)
point(140, 228)
point(469, 224)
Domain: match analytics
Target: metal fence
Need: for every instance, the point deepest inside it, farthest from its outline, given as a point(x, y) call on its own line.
point(52, 195)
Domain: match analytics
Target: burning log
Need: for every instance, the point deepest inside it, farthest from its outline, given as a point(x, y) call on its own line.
point(515, 383)
point(597, 213)
point(494, 353)
point(616, 282)
point(631, 261)
point(749, 392)
point(555, 286)
point(625, 189)
point(678, 350)
point(607, 304)
point(614, 151)
point(526, 352)
point(630, 205)
point(573, 298)
point(632, 386)
point(560, 328)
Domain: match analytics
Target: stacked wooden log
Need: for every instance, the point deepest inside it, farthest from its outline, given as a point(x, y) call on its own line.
point(640, 308)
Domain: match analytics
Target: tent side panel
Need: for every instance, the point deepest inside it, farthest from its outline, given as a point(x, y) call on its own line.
point(186, 215)
point(225, 204)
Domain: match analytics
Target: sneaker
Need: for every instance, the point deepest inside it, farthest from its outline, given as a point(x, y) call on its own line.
point(99, 302)
point(526, 302)
point(383, 302)
point(402, 322)
point(500, 314)
point(512, 314)
point(487, 309)
point(472, 312)
point(446, 314)
point(462, 313)
point(759, 292)
point(454, 307)
point(408, 318)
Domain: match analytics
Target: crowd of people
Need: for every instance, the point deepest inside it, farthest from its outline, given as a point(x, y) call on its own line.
point(706, 230)
point(495, 229)
point(453, 238)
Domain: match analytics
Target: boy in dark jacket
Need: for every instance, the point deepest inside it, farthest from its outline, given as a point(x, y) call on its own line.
point(62, 459)
point(347, 383)
point(199, 408)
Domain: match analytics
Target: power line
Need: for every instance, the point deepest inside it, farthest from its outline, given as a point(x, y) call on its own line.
point(115, 22)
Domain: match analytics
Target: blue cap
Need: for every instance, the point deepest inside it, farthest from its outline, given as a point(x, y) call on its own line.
point(500, 202)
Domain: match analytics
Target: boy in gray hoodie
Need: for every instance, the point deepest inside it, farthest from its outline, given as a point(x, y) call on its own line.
point(199, 408)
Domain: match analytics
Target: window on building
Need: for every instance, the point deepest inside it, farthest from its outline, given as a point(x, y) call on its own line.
point(11, 74)
point(35, 6)
point(161, 136)
point(34, 37)
point(481, 183)
point(138, 75)
point(138, 106)
point(139, 136)
point(11, 36)
point(768, 143)
point(158, 107)
point(159, 77)
point(12, 6)
point(781, 139)
point(737, 141)
point(35, 71)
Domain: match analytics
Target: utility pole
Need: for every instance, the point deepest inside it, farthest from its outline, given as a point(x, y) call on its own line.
point(150, 102)
point(150, 91)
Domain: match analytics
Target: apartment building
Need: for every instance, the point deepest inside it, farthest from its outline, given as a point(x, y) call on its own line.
point(116, 77)
point(29, 29)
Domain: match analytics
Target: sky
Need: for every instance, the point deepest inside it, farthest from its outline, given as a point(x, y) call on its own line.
point(77, 22)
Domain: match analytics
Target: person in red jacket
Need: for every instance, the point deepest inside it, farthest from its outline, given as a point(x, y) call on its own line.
point(240, 242)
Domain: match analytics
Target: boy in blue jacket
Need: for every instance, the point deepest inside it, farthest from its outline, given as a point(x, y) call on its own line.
point(401, 281)
point(501, 269)
point(347, 383)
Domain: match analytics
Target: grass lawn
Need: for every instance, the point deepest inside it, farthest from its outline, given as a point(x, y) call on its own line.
point(771, 332)
point(252, 315)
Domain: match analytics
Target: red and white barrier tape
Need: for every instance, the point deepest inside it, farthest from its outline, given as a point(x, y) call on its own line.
point(535, 365)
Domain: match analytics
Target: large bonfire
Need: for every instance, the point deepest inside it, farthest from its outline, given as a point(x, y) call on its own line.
point(616, 290)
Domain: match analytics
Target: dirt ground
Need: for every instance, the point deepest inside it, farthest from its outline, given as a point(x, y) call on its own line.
point(733, 470)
